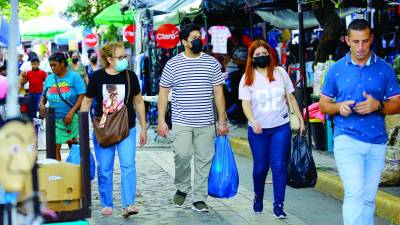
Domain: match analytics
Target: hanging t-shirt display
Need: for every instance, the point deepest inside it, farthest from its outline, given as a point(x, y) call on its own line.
point(219, 39)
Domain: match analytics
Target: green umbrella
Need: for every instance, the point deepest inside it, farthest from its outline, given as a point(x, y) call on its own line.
point(44, 27)
point(113, 16)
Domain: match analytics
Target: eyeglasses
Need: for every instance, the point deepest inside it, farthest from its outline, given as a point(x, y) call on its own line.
point(121, 57)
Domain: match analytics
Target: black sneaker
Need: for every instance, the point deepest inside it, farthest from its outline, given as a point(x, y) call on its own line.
point(258, 204)
point(200, 206)
point(179, 198)
point(279, 213)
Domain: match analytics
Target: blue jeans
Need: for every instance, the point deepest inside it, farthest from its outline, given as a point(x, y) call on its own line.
point(270, 149)
point(34, 106)
point(105, 167)
point(360, 166)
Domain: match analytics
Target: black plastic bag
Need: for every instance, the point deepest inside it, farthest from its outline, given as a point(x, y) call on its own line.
point(301, 171)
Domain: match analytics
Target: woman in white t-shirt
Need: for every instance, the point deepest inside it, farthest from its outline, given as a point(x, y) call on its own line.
point(262, 91)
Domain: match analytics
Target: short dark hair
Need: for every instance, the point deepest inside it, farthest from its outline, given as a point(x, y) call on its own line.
point(90, 51)
point(358, 24)
point(35, 60)
point(32, 55)
point(60, 57)
point(185, 31)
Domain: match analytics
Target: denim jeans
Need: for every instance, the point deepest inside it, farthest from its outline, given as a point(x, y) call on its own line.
point(360, 166)
point(105, 166)
point(270, 149)
point(34, 106)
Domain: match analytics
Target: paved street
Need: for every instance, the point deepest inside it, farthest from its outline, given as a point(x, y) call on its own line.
point(155, 172)
point(155, 185)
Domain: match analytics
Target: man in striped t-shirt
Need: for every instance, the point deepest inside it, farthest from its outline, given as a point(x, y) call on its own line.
point(193, 76)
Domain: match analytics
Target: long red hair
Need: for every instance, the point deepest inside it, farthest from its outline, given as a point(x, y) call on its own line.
point(249, 76)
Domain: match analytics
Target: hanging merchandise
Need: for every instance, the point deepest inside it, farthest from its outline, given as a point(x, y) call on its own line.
point(167, 36)
point(219, 39)
point(318, 73)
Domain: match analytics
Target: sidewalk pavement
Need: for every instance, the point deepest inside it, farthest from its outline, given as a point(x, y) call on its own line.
point(387, 201)
point(155, 189)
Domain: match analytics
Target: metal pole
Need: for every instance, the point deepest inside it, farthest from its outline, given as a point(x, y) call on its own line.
point(85, 161)
point(303, 69)
point(12, 68)
point(51, 133)
point(206, 30)
point(251, 24)
point(369, 13)
point(35, 188)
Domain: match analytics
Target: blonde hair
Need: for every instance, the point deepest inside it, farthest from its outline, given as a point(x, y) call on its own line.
point(108, 50)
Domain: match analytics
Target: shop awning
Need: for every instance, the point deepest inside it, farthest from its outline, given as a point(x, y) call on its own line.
point(141, 4)
point(113, 16)
point(75, 34)
point(287, 18)
point(174, 10)
point(44, 27)
point(4, 32)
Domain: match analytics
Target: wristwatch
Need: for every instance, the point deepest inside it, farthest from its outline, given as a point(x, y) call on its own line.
point(381, 105)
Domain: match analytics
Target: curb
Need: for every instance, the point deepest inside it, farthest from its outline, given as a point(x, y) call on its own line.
point(387, 205)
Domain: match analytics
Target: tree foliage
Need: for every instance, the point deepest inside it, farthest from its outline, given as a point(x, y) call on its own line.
point(86, 10)
point(27, 8)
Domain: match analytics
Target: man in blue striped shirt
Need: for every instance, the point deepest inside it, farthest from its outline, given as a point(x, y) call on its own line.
point(193, 77)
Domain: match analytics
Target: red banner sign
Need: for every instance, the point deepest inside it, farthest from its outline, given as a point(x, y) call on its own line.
point(167, 36)
point(91, 40)
point(129, 33)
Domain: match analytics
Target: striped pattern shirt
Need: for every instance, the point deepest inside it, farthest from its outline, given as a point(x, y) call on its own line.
point(192, 81)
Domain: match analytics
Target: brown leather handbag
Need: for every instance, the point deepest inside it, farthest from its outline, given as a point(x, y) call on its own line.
point(113, 128)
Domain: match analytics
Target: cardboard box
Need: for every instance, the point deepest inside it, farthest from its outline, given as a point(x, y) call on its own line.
point(59, 185)
point(63, 206)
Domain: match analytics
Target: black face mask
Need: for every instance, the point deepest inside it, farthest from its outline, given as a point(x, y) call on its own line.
point(93, 59)
point(75, 60)
point(197, 46)
point(261, 61)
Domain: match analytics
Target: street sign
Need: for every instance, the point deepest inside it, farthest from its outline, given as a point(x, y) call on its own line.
point(167, 36)
point(90, 40)
point(129, 33)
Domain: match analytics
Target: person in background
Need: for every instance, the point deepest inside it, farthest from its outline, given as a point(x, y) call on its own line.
point(64, 90)
point(77, 66)
point(90, 69)
point(3, 82)
point(3, 70)
point(109, 86)
point(263, 93)
point(359, 90)
point(93, 62)
point(237, 52)
point(396, 67)
point(20, 61)
point(25, 67)
point(36, 78)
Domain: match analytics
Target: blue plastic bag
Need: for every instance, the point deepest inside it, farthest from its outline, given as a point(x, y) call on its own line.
point(74, 157)
point(223, 181)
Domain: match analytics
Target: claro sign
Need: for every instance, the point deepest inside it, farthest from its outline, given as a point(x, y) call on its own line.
point(167, 36)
